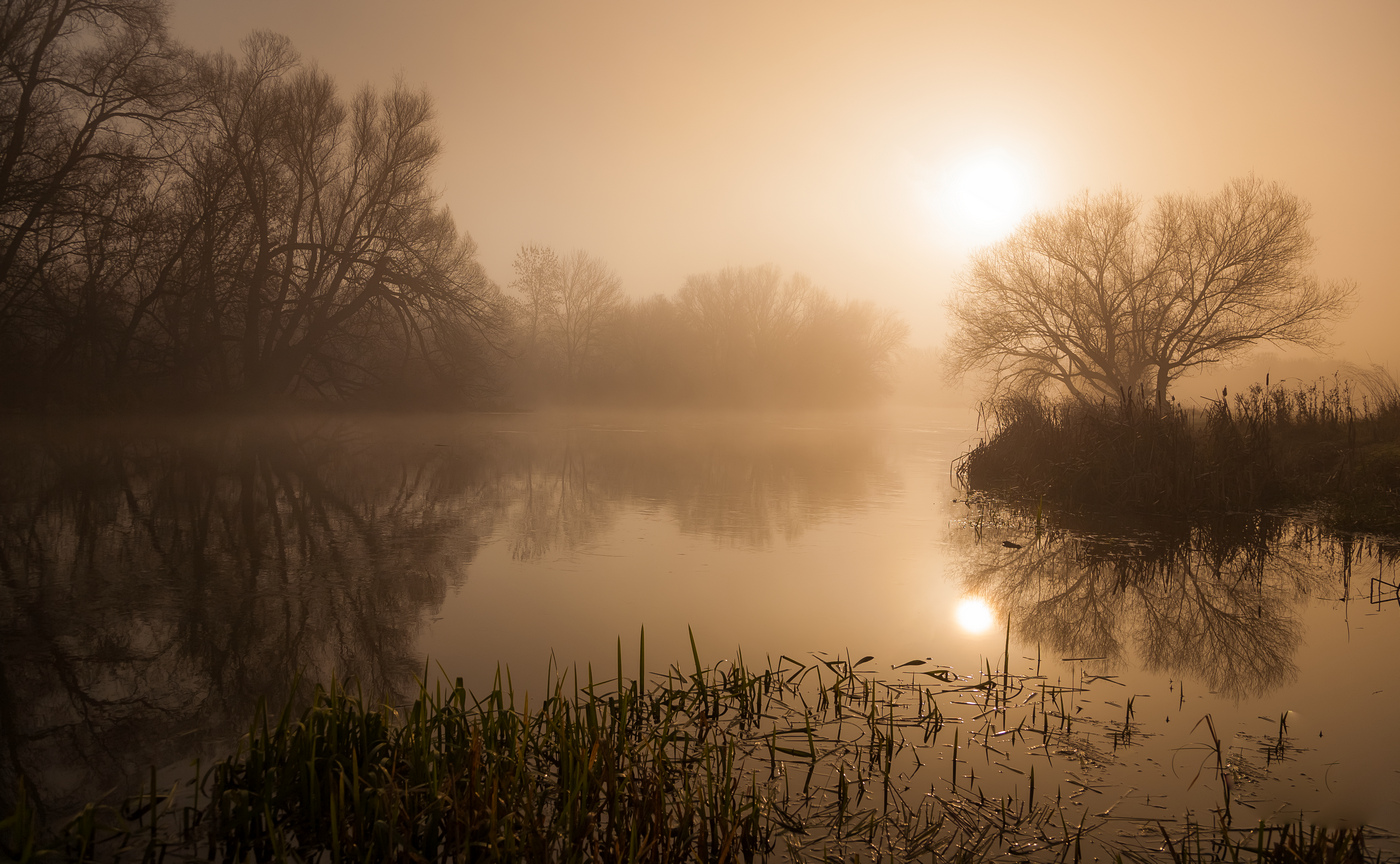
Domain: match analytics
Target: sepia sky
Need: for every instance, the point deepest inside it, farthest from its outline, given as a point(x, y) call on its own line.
point(870, 145)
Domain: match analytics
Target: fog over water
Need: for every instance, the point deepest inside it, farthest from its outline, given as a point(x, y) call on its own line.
point(159, 581)
point(417, 342)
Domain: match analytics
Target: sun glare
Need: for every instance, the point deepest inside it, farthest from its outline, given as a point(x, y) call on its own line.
point(990, 187)
point(974, 615)
point(981, 197)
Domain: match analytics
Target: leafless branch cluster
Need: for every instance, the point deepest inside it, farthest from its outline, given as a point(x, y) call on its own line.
point(1105, 301)
point(208, 224)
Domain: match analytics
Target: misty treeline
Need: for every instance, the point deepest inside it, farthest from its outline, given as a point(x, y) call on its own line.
point(739, 336)
point(181, 228)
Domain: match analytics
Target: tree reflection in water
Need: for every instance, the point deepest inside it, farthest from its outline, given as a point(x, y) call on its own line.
point(154, 587)
point(155, 583)
point(742, 485)
point(1218, 600)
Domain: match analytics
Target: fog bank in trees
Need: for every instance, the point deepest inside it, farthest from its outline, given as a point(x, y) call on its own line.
point(740, 336)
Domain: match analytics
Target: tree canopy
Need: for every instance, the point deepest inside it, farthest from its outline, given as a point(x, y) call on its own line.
point(1105, 300)
point(177, 226)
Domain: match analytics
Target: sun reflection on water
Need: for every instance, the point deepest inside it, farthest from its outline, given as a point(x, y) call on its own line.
point(974, 615)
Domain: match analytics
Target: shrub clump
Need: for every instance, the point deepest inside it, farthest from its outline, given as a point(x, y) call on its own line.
point(1324, 447)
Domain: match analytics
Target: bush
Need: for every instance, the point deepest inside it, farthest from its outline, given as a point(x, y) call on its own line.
point(1316, 446)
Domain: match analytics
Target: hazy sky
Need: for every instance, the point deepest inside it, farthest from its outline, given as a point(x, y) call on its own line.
point(865, 143)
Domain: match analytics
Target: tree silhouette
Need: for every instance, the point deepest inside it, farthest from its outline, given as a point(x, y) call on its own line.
point(175, 225)
point(341, 249)
point(565, 318)
point(762, 338)
point(1100, 300)
point(92, 95)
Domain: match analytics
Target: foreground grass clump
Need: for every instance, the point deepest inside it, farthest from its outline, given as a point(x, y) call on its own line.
point(689, 769)
point(1321, 447)
point(799, 762)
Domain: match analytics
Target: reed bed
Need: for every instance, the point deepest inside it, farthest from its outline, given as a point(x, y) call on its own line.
point(1330, 446)
point(824, 760)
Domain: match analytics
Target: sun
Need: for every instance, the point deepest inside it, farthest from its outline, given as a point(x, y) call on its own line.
point(979, 197)
point(990, 188)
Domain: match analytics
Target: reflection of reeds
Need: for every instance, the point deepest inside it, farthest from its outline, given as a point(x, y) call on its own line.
point(799, 761)
point(1293, 843)
point(1335, 442)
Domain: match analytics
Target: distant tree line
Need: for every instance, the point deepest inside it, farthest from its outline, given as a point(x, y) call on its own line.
point(738, 336)
point(182, 228)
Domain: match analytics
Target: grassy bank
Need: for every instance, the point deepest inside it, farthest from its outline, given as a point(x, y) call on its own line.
point(797, 762)
point(1332, 446)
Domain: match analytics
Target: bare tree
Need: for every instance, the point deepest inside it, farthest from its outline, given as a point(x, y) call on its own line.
point(745, 318)
point(1101, 301)
point(340, 257)
point(764, 337)
point(589, 296)
point(82, 82)
point(214, 224)
point(91, 97)
point(537, 280)
point(1236, 273)
point(567, 305)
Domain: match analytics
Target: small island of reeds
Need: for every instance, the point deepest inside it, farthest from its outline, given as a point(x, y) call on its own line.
point(1330, 448)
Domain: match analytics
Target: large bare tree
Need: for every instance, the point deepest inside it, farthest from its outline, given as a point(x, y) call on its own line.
point(92, 94)
point(175, 225)
point(83, 83)
point(1102, 300)
point(340, 256)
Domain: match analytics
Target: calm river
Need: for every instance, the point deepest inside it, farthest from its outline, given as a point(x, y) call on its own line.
point(157, 580)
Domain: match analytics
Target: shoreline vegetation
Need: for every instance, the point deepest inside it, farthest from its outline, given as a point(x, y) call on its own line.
point(799, 761)
point(1329, 448)
point(213, 230)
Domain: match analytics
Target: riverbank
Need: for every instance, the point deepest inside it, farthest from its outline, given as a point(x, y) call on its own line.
point(1331, 448)
point(796, 761)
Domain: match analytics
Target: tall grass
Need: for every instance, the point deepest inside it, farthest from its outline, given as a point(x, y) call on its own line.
point(799, 761)
point(715, 764)
point(1331, 445)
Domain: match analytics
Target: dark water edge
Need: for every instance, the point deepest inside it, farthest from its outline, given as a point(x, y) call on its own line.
point(160, 581)
point(1309, 449)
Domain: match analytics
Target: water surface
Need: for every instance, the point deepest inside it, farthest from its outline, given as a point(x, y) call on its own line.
point(159, 579)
